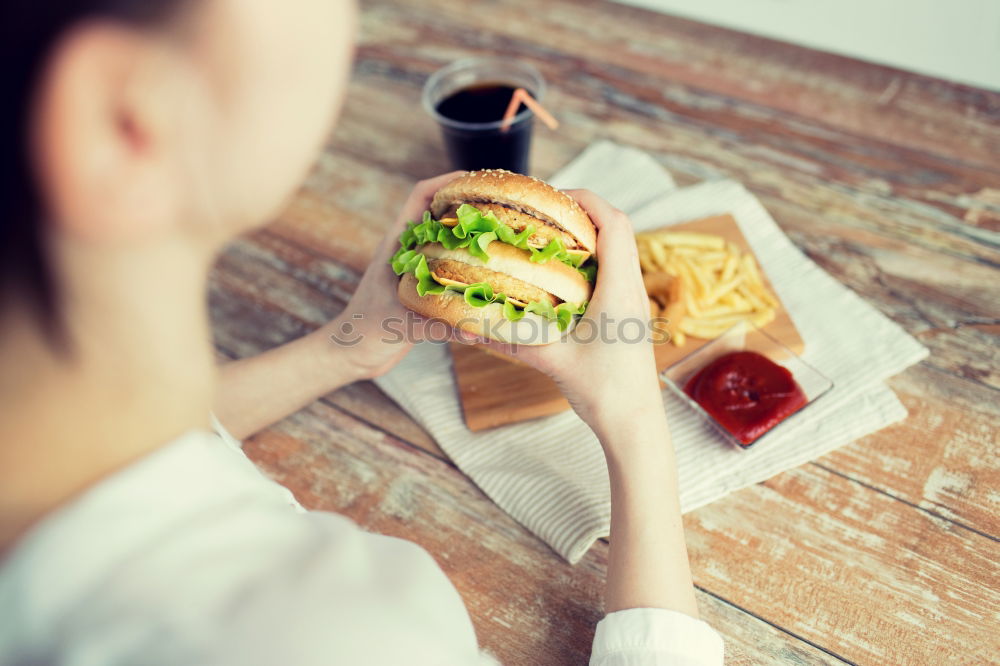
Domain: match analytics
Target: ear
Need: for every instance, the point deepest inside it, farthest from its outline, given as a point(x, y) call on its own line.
point(102, 134)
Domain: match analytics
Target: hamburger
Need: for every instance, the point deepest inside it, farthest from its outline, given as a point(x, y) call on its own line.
point(500, 255)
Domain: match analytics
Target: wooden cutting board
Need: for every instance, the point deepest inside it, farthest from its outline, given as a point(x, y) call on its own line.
point(495, 391)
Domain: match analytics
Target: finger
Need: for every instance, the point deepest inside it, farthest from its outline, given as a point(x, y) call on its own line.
point(417, 330)
point(615, 235)
point(619, 279)
point(465, 338)
point(550, 359)
point(601, 212)
point(438, 330)
point(616, 249)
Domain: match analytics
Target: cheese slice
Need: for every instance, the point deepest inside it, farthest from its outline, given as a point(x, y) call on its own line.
point(448, 282)
point(455, 283)
point(579, 253)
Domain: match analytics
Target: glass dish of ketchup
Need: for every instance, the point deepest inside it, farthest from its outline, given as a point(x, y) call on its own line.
point(747, 385)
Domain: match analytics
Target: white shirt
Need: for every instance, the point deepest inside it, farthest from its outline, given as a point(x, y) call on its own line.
point(191, 556)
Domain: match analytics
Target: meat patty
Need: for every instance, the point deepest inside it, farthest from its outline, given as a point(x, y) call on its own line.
point(501, 282)
point(518, 220)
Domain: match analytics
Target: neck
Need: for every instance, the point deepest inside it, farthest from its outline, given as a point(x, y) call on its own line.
point(138, 372)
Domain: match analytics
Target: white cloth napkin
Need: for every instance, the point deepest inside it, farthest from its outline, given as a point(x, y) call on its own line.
point(550, 474)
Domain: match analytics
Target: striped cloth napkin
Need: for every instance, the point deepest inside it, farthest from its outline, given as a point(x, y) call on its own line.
point(549, 474)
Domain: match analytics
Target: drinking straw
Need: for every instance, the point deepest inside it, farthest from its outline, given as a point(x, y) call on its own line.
point(523, 96)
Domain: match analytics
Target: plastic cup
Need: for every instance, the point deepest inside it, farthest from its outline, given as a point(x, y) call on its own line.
point(481, 145)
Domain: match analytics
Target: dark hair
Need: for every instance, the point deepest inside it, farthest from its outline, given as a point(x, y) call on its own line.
point(29, 29)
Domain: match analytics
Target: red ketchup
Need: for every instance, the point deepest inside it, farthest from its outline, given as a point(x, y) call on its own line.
point(747, 393)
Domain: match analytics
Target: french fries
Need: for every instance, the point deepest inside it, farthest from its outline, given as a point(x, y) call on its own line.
point(702, 284)
point(685, 239)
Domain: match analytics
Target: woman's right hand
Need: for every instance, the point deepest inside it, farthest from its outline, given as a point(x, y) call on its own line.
point(605, 366)
point(606, 369)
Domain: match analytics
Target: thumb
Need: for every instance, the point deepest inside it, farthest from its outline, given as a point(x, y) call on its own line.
point(618, 257)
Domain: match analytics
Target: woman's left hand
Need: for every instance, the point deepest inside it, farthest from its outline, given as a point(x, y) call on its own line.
point(374, 330)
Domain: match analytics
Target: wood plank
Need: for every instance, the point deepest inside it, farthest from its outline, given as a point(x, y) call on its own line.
point(252, 313)
point(872, 103)
point(365, 401)
point(932, 218)
point(946, 301)
point(620, 103)
point(925, 382)
point(871, 579)
point(496, 391)
point(960, 192)
point(956, 479)
point(527, 605)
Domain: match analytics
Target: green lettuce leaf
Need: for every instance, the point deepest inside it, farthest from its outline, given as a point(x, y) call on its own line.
point(566, 311)
point(589, 271)
point(475, 231)
point(543, 308)
point(481, 294)
point(512, 312)
point(553, 250)
point(479, 244)
point(411, 261)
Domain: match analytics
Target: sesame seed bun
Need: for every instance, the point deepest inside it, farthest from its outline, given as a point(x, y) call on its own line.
point(523, 193)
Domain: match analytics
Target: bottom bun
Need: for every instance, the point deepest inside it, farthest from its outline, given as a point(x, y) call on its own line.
point(487, 322)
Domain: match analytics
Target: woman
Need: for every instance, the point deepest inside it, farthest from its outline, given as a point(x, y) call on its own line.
point(138, 137)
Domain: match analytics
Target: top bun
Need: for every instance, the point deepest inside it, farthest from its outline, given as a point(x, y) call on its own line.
point(526, 193)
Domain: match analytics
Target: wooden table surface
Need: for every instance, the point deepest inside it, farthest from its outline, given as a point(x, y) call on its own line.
point(883, 552)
